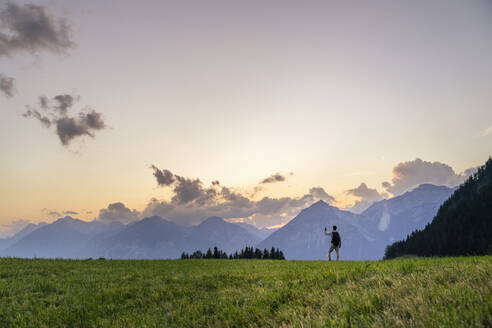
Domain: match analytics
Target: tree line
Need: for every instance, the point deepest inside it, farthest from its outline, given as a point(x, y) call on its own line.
point(462, 226)
point(245, 253)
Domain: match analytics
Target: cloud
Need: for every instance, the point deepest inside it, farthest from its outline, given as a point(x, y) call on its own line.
point(7, 85)
point(192, 201)
point(62, 103)
point(54, 214)
point(487, 131)
point(55, 112)
point(31, 28)
point(363, 192)
point(366, 196)
point(320, 193)
point(44, 120)
point(277, 177)
point(164, 177)
point(470, 171)
point(408, 175)
point(70, 213)
point(68, 128)
point(187, 190)
point(118, 212)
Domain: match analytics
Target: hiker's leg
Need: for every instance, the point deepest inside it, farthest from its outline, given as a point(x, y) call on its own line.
point(329, 252)
point(338, 253)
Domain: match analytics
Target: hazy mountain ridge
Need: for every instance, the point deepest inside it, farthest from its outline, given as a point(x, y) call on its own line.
point(394, 218)
point(6, 242)
point(261, 233)
point(364, 236)
point(62, 238)
point(150, 238)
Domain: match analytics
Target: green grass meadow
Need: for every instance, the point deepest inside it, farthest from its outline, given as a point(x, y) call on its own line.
point(434, 292)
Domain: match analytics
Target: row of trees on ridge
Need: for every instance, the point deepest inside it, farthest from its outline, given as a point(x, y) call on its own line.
point(246, 253)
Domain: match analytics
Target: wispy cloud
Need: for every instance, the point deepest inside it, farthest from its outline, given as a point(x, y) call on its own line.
point(7, 85)
point(277, 177)
point(487, 131)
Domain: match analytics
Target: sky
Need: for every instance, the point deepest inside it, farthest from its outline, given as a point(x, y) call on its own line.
point(248, 110)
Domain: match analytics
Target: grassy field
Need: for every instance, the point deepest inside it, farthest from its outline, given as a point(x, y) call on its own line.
point(448, 292)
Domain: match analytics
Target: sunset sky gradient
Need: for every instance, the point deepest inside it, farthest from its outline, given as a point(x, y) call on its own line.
point(326, 94)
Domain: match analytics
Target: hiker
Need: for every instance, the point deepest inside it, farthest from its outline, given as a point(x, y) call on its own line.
point(336, 242)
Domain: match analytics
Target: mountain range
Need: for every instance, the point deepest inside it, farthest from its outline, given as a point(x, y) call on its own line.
point(364, 236)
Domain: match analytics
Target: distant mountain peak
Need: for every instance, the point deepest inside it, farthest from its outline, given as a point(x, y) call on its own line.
point(320, 203)
point(67, 220)
point(152, 218)
point(213, 219)
point(429, 186)
point(318, 206)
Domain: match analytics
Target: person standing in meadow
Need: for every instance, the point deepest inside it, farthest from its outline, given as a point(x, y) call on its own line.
point(336, 242)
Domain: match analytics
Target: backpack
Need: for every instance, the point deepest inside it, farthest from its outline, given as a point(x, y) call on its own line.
point(335, 238)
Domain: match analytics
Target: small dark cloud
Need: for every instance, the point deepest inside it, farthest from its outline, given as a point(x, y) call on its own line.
point(118, 212)
point(54, 214)
point(277, 177)
point(216, 183)
point(55, 112)
point(68, 128)
point(31, 28)
point(63, 103)
point(256, 190)
point(44, 120)
point(164, 177)
point(187, 190)
point(43, 102)
point(70, 213)
point(7, 86)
